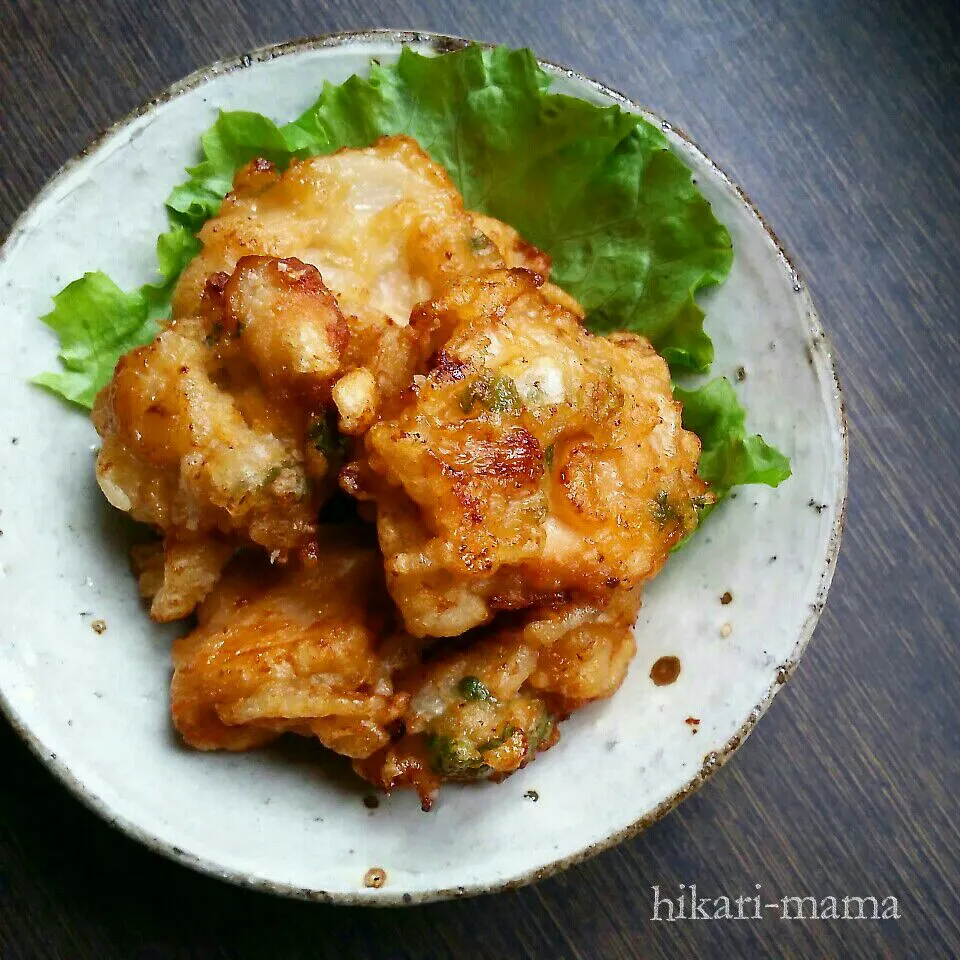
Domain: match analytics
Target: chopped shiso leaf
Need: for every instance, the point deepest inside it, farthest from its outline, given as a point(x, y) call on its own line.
point(473, 688)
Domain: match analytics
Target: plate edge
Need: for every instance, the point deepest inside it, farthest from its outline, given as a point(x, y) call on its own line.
point(823, 357)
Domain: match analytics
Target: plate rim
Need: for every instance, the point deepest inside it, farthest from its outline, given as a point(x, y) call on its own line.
point(823, 357)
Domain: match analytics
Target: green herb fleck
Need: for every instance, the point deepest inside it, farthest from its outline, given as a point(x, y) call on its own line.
point(481, 243)
point(454, 757)
point(323, 434)
point(540, 731)
point(497, 394)
point(504, 397)
point(272, 474)
point(468, 396)
point(213, 337)
point(473, 688)
point(499, 740)
point(662, 510)
point(548, 457)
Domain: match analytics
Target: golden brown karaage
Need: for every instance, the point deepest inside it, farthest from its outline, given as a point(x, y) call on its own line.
point(223, 430)
point(485, 706)
point(308, 647)
point(535, 459)
point(314, 648)
point(349, 323)
point(385, 227)
point(213, 433)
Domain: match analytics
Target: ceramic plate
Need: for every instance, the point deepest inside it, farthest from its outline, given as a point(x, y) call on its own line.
point(94, 705)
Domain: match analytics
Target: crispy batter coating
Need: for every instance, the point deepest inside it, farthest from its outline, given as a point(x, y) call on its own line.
point(218, 433)
point(385, 227)
point(534, 459)
point(349, 319)
point(514, 250)
point(208, 431)
point(485, 708)
point(313, 649)
point(305, 649)
point(177, 574)
point(517, 252)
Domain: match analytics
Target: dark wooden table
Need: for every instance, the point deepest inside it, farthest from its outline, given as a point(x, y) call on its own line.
point(842, 119)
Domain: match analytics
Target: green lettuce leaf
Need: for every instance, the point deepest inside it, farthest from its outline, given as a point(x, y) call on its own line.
point(175, 249)
point(235, 139)
point(631, 237)
point(729, 457)
point(96, 322)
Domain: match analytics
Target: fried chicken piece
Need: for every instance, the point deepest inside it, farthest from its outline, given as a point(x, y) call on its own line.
point(487, 709)
point(313, 649)
point(212, 433)
point(517, 252)
point(177, 575)
point(535, 459)
point(514, 250)
point(385, 227)
point(303, 649)
point(291, 328)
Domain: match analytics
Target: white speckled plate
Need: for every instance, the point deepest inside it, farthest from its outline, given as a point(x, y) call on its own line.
point(94, 706)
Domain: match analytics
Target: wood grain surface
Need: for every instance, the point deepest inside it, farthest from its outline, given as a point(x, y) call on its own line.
point(841, 118)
